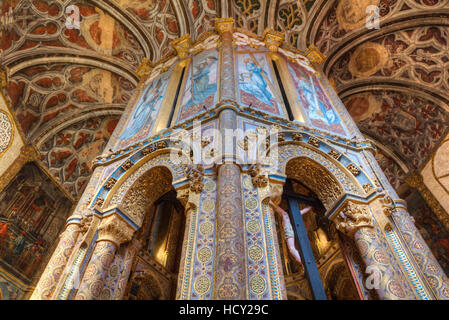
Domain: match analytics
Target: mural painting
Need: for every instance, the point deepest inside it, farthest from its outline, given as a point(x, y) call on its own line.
point(199, 93)
point(256, 85)
point(314, 100)
point(32, 214)
point(144, 114)
point(430, 227)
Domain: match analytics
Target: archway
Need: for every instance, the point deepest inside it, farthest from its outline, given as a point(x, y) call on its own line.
point(152, 203)
point(311, 184)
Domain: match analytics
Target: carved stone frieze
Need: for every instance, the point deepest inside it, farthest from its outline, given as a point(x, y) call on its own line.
point(195, 175)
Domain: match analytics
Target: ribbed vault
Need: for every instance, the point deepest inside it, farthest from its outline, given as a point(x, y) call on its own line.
point(394, 80)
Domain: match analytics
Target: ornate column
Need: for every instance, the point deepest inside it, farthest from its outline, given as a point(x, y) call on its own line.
point(429, 266)
point(55, 267)
point(112, 232)
point(230, 268)
point(355, 221)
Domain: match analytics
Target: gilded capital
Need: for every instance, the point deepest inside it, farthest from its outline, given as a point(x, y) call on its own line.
point(223, 25)
point(314, 55)
point(144, 70)
point(352, 217)
point(182, 46)
point(273, 39)
point(114, 229)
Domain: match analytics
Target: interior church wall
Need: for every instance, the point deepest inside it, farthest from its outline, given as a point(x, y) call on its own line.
point(32, 214)
point(436, 174)
point(10, 139)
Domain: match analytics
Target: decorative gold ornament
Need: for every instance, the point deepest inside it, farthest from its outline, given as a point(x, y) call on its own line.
point(223, 25)
point(314, 55)
point(127, 165)
point(297, 137)
point(144, 70)
point(314, 142)
point(182, 46)
point(99, 202)
point(353, 217)
point(334, 154)
point(273, 39)
point(368, 188)
point(353, 169)
point(111, 182)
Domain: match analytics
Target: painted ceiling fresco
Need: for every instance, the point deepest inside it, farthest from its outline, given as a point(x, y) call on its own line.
point(394, 80)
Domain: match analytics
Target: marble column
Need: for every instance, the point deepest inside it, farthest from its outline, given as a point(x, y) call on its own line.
point(55, 267)
point(112, 232)
point(355, 221)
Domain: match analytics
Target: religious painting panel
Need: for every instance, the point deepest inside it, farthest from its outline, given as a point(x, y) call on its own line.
point(314, 100)
point(256, 86)
point(142, 118)
point(201, 85)
point(430, 227)
point(32, 214)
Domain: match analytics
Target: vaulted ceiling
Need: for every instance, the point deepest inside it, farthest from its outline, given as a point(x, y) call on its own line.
point(68, 87)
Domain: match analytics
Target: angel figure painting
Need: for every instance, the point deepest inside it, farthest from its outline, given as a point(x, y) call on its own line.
point(314, 100)
point(141, 120)
point(200, 94)
point(255, 83)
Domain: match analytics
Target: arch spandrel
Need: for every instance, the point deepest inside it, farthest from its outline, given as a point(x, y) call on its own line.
point(359, 184)
point(155, 172)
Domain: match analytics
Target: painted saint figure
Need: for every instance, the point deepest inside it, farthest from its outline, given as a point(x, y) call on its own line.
point(308, 94)
point(202, 86)
point(142, 115)
point(288, 229)
point(253, 82)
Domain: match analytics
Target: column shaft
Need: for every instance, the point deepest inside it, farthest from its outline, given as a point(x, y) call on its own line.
point(49, 279)
point(95, 275)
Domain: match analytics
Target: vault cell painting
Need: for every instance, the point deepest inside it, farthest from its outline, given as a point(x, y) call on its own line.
point(32, 214)
point(201, 85)
point(142, 118)
point(314, 100)
point(255, 81)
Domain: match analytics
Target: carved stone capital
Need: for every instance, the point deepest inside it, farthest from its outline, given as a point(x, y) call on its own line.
point(223, 25)
point(273, 39)
point(195, 176)
point(114, 229)
point(258, 177)
point(352, 217)
point(182, 46)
